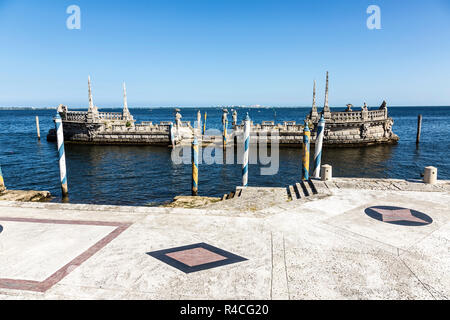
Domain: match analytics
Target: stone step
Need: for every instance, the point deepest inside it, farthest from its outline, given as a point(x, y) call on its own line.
point(321, 187)
point(299, 191)
point(305, 189)
point(292, 193)
point(310, 188)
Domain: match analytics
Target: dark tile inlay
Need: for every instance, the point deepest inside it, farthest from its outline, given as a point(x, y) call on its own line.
point(196, 257)
point(399, 216)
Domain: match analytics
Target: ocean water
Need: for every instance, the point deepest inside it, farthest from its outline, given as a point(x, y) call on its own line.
point(145, 175)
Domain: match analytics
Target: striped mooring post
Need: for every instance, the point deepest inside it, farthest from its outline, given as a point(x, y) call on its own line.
point(204, 123)
point(306, 145)
point(62, 155)
point(195, 167)
point(225, 134)
point(318, 147)
point(246, 151)
point(172, 137)
point(2, 181)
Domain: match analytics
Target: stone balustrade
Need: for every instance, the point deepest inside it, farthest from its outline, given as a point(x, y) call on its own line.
point(78, 116)
point(358, 116)
point(110, 116)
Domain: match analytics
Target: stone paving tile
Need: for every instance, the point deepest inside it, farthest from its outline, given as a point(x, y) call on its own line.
point(146, 274)
point(315, 249)
point(432, 254)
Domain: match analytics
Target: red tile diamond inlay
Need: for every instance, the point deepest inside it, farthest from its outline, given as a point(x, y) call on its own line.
point(195, 257)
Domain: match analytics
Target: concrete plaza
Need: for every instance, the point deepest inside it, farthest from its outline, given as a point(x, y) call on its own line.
point(329, 247)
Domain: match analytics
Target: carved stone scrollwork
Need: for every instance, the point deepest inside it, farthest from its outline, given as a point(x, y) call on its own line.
point(91, 131)
point(388, 128)
point(364, 130)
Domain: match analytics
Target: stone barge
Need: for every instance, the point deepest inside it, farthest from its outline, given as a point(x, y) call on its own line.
point(343, 129)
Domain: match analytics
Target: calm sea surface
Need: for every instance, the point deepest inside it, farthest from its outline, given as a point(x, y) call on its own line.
point(129, 175)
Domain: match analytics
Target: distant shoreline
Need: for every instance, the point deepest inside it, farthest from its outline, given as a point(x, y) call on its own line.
point(211, 107)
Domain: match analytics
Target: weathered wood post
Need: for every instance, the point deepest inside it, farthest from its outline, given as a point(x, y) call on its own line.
point(306, 146)
point(246, 151)
point(318, 147)
point(2, 181)
point(62, 155)
point(195, 167)
point(419, 128)
point(37, 128)
point(204, 123)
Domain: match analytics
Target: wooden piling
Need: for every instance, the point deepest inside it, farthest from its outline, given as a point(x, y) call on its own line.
point(419, 128)
point(37, 128)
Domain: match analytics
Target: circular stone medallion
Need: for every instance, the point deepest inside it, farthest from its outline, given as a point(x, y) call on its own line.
point(399, 216)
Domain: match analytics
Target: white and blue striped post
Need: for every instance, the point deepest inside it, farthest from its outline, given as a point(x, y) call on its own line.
point(2, 181)
point(172, 137)
point(225, 134)
point(318, 147)
point(246, 151)
point(62, 155)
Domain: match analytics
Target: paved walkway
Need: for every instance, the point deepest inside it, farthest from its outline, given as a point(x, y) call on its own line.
point(354, 244)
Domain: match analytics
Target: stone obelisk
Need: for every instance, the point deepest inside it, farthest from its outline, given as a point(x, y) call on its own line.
point(314, 114)
point(326, 107)
point(92, 114)
point(126, 115)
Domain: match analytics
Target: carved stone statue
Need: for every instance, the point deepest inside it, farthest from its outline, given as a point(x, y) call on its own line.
point(384, 107)
point(224, 116)
point(388, 128)
point(235, 117)
point(178, 118)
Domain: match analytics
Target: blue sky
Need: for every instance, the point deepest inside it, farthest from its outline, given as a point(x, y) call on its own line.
point(202, 53)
